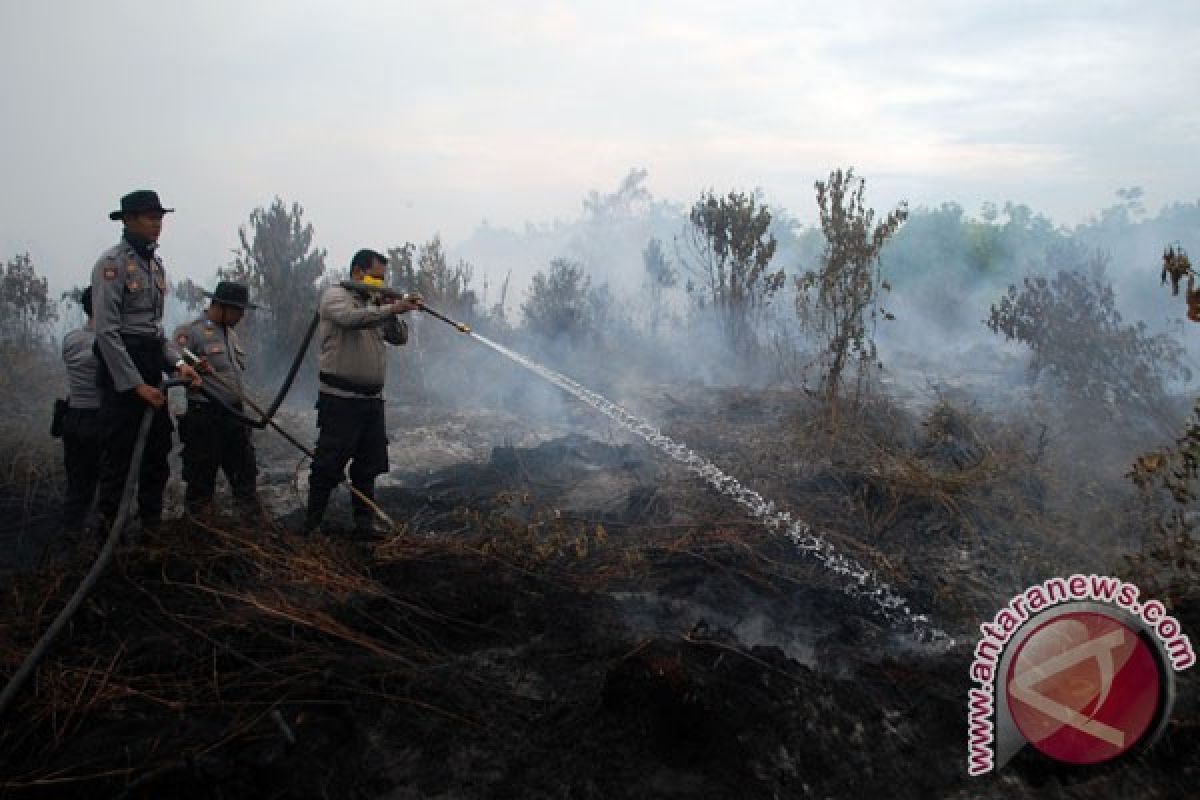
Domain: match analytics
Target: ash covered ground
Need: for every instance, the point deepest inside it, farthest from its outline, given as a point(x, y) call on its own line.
point(565, 613)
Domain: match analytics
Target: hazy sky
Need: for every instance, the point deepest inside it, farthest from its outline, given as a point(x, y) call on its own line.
point(394, 120)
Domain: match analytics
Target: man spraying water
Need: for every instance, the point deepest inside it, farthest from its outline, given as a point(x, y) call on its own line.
point(355, 329)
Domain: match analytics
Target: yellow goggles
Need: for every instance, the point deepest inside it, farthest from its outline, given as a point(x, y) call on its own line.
point(371, 281)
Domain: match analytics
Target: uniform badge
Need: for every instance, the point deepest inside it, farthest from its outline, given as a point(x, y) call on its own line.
point(110, 272)
point(183, 339)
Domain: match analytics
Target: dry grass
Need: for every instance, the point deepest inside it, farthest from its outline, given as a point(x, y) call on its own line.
point(218, 628)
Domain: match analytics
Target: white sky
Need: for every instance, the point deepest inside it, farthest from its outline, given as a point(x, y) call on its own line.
point(390, 121)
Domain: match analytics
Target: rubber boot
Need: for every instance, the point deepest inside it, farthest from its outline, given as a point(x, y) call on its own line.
point(317, 501)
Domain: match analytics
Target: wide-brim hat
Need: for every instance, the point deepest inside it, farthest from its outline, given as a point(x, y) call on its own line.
point(138, 202)
point(231, 293)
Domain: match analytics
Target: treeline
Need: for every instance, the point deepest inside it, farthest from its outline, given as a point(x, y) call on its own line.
point(729, 289)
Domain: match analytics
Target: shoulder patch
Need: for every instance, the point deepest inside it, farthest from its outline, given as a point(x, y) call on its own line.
point(110, 272)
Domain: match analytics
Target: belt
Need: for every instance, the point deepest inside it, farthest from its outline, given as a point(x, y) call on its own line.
point(351, 386)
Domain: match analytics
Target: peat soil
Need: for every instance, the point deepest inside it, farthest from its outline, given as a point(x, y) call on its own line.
point(561, 615)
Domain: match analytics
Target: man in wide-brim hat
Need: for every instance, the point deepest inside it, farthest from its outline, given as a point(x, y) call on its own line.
point(142, 201)
point(129, 289)
point(213, 438)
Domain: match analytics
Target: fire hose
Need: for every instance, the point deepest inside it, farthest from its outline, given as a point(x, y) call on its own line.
point(266, 418)
point(39, 650)
point(93, 575)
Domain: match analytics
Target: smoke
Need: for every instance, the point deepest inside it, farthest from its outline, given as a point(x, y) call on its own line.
point(945, 266)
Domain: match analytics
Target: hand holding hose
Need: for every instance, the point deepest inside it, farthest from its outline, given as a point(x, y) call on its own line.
point(406, 303)
point(149, 395)
point(189, 373)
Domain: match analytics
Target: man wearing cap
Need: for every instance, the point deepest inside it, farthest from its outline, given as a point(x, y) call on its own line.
point(213, 437)
point(82, 435)
point(356, 325)
point(129, 287)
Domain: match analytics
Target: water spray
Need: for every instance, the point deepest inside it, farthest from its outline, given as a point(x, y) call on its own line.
point(859, 580)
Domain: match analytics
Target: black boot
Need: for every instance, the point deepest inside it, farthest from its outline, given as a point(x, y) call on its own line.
point(318, 499)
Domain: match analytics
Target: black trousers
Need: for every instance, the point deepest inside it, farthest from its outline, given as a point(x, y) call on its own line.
point(83, 442)
point(212, 440)
point(121, 416)
point(351, 430)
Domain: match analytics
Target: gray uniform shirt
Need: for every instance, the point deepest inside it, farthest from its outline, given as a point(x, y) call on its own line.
point(353, 333)
point(128, 293)
point(221, 346)
point(81, 362)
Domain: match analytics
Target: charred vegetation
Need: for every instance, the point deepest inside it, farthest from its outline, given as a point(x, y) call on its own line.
point(564, 611)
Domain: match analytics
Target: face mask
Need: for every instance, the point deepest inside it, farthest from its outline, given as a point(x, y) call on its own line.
point(371, 281)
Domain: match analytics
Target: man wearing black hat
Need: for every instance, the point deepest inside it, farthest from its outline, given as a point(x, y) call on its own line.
point(82, 435)
point(129, 287)
point(213, 438)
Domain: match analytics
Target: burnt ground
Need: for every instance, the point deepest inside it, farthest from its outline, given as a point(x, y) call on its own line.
point(565, 614)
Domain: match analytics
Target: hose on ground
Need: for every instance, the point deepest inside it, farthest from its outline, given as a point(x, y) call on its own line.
point(97, 569)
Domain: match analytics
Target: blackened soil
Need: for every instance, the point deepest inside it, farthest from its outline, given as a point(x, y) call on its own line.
point(559, 622)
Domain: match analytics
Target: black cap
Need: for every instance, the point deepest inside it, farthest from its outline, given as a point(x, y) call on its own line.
point(137, 202)
point(230, 293)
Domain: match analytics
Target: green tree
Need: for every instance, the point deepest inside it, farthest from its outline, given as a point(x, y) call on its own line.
point(559, 305)
point(630, 199)
point(1080, 342)
point(659, 276)
point(401, 272)
point(26, 308)
point(443, 285)
point(190, 294)
point(729, 249)
point(838, 303)
point(279, 264)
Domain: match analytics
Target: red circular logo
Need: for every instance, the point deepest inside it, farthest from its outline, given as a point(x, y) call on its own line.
point(1083, 688)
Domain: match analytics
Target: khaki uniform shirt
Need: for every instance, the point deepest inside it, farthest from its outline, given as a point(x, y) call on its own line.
point(81, 361)
point(352, 336)
point(223, 349)
point(128, 294)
